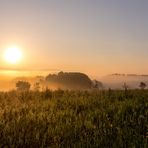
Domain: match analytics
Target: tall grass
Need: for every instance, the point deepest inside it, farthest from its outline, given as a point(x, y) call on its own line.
point(74, 119)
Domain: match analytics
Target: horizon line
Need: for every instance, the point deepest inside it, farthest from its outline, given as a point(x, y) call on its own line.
point(27, 69)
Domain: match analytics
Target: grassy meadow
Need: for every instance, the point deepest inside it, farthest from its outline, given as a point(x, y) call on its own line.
point(103, 118)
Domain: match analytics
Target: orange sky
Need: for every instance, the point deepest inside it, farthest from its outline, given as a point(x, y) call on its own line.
point(95, 37)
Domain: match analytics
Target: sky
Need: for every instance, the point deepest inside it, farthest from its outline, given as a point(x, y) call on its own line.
point(97, 37)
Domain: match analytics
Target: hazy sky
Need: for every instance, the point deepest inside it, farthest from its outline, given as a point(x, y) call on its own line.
point(94, 36)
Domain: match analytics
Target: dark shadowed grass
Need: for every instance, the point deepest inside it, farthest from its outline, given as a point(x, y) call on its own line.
point(74, 119)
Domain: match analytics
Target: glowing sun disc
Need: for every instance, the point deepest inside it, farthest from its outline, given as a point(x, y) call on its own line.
point(13, 55)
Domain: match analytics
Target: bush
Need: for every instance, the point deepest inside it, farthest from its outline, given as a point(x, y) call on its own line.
point(23, 86)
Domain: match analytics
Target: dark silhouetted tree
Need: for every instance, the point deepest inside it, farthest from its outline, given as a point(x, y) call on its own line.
point(142, 85)
point(23, 86)
point(125, 87)
point(97, 84)
point(37, 86)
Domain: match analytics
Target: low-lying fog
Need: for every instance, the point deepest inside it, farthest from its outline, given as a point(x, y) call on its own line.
point(116, 81)
point(8, 79)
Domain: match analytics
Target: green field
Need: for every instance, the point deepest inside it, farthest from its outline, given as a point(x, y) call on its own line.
point(105, 118)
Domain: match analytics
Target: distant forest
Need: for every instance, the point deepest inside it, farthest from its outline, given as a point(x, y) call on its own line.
point(73, 80)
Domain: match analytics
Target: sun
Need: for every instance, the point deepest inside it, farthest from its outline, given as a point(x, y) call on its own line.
point(13, 55)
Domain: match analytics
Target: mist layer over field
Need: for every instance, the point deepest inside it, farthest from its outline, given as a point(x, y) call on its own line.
point(8, 79)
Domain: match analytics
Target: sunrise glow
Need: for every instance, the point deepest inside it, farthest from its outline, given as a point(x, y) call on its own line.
point(13, 55)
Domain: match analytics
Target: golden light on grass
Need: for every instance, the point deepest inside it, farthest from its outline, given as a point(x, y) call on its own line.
point(13, 55)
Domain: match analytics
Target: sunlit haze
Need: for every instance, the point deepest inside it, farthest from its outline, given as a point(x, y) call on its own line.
point(13, 55)
point(73, 73)
point(96, 37)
